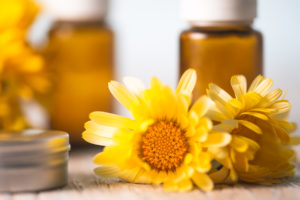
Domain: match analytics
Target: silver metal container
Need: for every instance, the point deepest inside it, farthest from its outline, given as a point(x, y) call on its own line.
point(33, 160)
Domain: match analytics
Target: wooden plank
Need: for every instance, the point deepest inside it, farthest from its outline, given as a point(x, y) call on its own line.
point(83, 184)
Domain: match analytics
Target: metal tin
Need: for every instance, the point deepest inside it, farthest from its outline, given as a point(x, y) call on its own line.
point(33, 160)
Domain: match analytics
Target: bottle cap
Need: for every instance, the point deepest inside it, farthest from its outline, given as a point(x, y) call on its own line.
point(205, 12)
point(76, 10)
point(35, 155)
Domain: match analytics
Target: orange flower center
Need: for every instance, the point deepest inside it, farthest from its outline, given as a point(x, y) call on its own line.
point(164, 145)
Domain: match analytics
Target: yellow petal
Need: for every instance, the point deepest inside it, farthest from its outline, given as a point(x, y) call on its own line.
point(250, 126)
point(217, 139)
point(189, 171)
point(142, 177)
point(230, 123)
point(170, 186)
point(193, 118)
point(203, 181)
point(219, 153)
point(109, 119)
point(160, 101)
point(187, 82)
point(155, 83)
point(216, 115)
point(226, 109)
point(226, 126)
point(201, 134)
point(239, 85)
point(178, 175)
point(250, 100)
point(295, 141)
point(110, 153)
point(232, 153)
point(220, 176)
point(202, 163)
point(256, 114)
point(281, 106)
point(264, 86)
point(143, 126)
point(241, 162)
point(238, 144)
point(243, 144)
point(202, 105)
point(181, 186)
point(262, 110)
point(236, 103)
point(130, 175)
point(233, 175)
point(256, 82)
point(107, 171)
point(185, 185)
point(100, 130)
point(287, 125)
point(283, 135)
point(217, 93)
point(134, 85)
point(281, 115)
point(183, 102)
point(93, 138)
point(122, 94)
point(205, 122)
point(270, 98)
point(188, 158)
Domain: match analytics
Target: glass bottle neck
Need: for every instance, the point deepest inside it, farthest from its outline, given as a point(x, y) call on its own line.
point(222, 25)
point(80, 23)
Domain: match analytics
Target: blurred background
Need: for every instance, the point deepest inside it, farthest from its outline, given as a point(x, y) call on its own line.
point(147, 41)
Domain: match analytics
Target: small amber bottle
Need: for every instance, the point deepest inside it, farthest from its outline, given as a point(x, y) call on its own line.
point(221, 42)
point(79, 56)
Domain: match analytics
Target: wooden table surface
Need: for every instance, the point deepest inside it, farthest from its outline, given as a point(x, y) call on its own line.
point(83, 184)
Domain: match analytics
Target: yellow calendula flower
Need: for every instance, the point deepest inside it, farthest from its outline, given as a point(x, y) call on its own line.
point(166, 142)
point(17, 14)
point(22, 73)
point(257, 120)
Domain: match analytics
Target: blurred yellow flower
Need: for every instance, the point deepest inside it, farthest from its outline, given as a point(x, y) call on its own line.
point(167, 141)
point(22, 74)
point(17, 14)
point(257, 120)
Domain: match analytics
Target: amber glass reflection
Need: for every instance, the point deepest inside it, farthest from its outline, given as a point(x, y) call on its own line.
point(80, 58)
point(217, 53)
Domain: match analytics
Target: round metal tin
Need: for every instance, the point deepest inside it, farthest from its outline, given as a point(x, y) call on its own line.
point(33, 160)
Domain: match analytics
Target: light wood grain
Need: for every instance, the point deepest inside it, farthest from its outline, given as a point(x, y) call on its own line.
point(84, 185)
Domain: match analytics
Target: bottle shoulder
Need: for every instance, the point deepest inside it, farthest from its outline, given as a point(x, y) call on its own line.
point(204, 32)
point(80, 27)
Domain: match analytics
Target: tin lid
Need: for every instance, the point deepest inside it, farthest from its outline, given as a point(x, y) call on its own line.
point(33, 142)
point(33, 160)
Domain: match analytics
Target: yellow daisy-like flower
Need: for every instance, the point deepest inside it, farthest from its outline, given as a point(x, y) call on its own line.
point(22, 73)
point(257, 120)
point(17, 14)
point(167, 141)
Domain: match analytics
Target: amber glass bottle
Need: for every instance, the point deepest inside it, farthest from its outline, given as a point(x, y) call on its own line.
point(79, 57)
point(219, 45)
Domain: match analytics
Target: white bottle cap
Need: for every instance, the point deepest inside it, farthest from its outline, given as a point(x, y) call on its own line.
point(76, 9)
point(210, 12)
